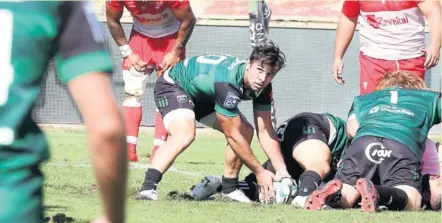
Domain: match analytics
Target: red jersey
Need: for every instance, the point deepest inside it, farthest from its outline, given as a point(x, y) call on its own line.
point(389, 29)
point(152, 18)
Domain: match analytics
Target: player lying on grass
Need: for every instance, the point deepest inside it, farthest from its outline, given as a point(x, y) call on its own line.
point(431, 183)
point(208, 89)
point(389, 128)
point(312, 145)
point(66, 32)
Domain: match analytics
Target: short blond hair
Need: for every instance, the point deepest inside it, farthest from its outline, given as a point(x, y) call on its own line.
point(401, 78)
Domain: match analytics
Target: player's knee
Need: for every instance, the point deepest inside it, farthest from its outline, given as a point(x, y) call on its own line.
point(131, 101)
point(109, 128)
point(180, 123)
point(313, 155)
point(185, 138)
point(414, 197)
point(134, 84)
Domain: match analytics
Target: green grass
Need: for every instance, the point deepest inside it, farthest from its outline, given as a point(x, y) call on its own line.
point(71, 190)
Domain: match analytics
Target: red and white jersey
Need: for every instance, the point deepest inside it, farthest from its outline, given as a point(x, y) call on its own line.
point(152, 18)
point(389, 29)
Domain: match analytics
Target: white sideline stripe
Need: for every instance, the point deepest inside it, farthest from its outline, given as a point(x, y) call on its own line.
point(132, 166)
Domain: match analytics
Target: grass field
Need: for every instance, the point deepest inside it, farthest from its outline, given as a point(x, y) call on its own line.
point(70, 189)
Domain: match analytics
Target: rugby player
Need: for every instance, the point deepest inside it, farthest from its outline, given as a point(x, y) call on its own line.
point(208, 89)
point(312, 145)
point(33, 33)
point(392, 37)
point(389, 129)
point(157, 41)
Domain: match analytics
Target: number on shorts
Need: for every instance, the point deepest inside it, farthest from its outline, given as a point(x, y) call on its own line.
point(211, 59)
point(394, 97)
point(6, 69)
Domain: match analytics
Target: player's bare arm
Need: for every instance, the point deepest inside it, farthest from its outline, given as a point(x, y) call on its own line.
point(113, 18)
point(106, 137)
point(231, 127)
point(432, 11)
point(269, 141)
point(344, 35)
point(188, 20)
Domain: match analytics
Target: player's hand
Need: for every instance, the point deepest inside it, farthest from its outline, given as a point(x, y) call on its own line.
point(265, 183)
point(281, 174)
point(135, 61)
point(169, 60)
point(337, 68)
point(432, 55)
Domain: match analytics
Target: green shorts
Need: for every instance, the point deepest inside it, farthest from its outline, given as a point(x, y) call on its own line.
point(21, 195)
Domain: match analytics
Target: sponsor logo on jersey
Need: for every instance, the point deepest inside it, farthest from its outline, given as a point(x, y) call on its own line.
point(232, 101)
point(391, 109)
point(181, 98)
point(376, 152)
point(378, 22)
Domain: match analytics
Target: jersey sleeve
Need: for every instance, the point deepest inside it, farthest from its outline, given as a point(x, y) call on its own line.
point(80, 42)
point(352, 109)
point(264, 100)
point(351, 8)
point(178, 4)
point(115, 5)
point(227, 99)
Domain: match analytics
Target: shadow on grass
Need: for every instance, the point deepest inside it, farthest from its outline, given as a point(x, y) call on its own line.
point(59, 218)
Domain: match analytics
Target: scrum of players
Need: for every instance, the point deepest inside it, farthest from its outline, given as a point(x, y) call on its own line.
point(379, 159)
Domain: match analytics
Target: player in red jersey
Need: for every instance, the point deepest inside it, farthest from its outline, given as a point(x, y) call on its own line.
point(157, 41)
point(392, 38)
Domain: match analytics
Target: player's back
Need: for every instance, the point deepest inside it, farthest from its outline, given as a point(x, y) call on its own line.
point(198, 75)
point(404, 115)
point(32, 34)
point(26, 46)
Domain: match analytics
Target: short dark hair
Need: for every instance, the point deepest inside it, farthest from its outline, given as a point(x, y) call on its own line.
point(269, 54)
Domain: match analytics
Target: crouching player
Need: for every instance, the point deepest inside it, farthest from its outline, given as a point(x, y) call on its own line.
point(208, 89)
point(382, 166)
point(312, 145)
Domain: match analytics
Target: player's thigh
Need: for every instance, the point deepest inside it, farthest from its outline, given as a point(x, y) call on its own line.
point(414, 65)
point(161, 46)
point(206, 115)
point(398, 165)
point(174, 104)
point(21, 195)
point(371, 71)
point(310, 133)
point(356, 163)
point(414, 202)
point(141, 45)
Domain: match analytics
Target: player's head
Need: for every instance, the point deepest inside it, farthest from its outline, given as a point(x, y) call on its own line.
point(263, 64)
point(402, 79)
point(436, 192)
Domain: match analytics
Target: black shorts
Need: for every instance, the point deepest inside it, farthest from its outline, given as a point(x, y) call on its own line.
point(386, 162)
point(169, 97)
point(298, 129)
